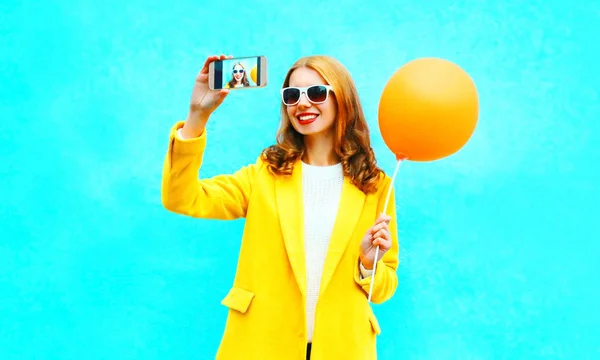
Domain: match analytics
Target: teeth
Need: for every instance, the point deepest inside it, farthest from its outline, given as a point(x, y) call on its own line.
point(307, 117)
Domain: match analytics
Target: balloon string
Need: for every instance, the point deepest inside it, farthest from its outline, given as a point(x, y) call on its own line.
point(387, 201)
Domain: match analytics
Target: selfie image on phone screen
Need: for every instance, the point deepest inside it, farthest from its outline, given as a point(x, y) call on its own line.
point(239, 73)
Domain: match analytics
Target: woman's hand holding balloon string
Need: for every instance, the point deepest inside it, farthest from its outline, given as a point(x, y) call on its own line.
point(377, 235)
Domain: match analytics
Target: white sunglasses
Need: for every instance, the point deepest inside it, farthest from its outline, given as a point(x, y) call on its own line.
point(316, 94)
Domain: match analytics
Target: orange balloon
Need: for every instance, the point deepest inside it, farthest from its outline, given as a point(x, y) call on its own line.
point(428, 110)
point(253, 74)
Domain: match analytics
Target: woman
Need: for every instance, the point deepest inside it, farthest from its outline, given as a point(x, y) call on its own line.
point(239, 78)
point(313, 206)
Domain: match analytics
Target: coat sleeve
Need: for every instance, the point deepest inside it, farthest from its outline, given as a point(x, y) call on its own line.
point(386, 278)
point(223, 197)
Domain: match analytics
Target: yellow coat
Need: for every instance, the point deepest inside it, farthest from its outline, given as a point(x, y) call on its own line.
point(266, 318)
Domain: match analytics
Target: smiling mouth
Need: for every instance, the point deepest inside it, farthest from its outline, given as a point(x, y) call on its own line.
point(307, 119)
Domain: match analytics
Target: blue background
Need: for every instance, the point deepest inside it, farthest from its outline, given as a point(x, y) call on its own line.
point(500, 242)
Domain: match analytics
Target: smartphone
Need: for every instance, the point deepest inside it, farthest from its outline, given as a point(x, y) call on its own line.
point(238, 73)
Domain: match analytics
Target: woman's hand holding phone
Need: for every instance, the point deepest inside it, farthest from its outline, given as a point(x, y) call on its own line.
point(203, 102)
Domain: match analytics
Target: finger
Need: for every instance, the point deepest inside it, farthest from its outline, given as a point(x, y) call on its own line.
point(379, 226)
point(379, 241)
point(385, 226)
point(375, 229)
point(209, 59)
point(384, 245)
point(384, 218)
point(383, 233)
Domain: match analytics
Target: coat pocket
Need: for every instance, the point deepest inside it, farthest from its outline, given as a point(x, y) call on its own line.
point(238, 299)
point(374, 323)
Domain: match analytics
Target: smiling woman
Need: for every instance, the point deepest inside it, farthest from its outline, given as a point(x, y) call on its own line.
point(323, 196)
point(323, 129)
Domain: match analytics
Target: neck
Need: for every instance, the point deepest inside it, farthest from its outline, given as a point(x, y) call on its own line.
point(319, 150)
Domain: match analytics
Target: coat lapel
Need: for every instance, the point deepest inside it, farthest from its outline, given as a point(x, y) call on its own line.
point(291, 216)
point(350, 208)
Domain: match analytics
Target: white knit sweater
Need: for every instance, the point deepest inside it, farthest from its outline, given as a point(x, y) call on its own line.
point(322, 189)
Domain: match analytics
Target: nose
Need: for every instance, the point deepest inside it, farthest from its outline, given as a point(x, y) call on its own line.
point(304, 101)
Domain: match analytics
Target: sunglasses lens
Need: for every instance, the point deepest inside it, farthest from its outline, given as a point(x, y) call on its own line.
point(317, 93)
point(291, 96)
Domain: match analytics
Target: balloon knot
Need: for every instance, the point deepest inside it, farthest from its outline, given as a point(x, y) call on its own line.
point(401, 157)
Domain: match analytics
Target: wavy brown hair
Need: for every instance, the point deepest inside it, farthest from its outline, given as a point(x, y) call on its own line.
point(352, 141)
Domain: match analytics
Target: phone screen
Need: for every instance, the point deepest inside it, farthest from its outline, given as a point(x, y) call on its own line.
point(237, 72)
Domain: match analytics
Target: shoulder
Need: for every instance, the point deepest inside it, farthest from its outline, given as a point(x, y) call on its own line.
point(258, 166)
point(262, 164)
point(384, 181)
